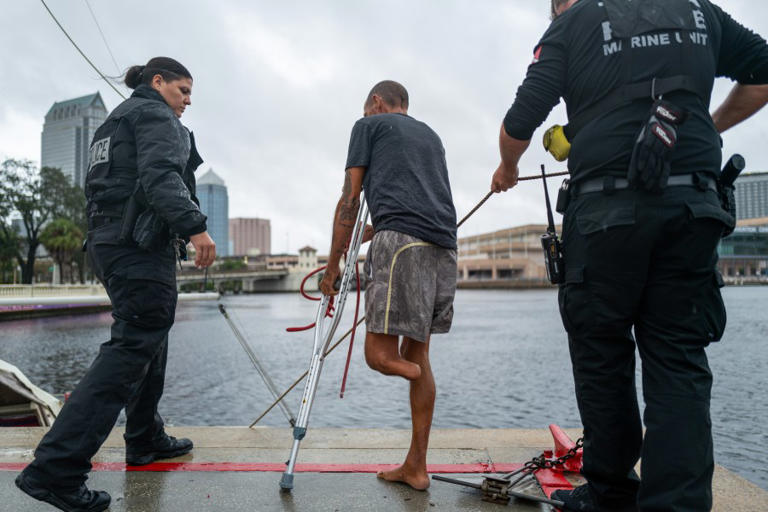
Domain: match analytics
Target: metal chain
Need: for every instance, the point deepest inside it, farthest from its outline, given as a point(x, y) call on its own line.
point(541, 462)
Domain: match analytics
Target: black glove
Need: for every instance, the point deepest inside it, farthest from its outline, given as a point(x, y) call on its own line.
point(650, 165)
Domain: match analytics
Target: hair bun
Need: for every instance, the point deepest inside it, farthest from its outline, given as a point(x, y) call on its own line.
point(166, 67)
point(133, 76)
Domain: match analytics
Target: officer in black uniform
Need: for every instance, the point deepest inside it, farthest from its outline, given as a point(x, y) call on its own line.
point(142, 211)
point(641, 231)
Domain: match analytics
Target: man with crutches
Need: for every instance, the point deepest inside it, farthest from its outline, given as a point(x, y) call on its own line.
point(411, 265)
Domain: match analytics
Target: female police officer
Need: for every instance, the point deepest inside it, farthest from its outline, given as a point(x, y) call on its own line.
point(141, 208)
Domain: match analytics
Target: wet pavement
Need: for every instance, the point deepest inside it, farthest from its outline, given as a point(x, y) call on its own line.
point(192, 492)
point(245, 480)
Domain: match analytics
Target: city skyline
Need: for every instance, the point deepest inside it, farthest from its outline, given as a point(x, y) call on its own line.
point(275, 99)
point(64, 145)
point(69, 122)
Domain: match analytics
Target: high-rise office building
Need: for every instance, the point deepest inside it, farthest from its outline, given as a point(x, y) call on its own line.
point(250, 237)
point(67, 133)
point(214, 202)
point(752, 196)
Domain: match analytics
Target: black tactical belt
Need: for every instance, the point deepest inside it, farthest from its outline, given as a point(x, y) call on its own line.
point(609, 184)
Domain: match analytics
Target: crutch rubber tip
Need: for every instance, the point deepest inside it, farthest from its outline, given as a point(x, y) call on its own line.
point(286, 482)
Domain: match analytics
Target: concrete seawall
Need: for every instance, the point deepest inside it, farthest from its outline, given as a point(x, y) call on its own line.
point(236, 468)
point(16, 308)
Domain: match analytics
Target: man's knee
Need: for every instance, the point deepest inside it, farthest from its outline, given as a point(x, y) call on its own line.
point(380, 355)
point(377, 360)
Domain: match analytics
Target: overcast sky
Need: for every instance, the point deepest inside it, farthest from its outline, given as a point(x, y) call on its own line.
point(278, 86)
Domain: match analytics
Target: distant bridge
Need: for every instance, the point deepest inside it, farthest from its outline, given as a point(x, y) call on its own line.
point(186, 276)
point(250, 280)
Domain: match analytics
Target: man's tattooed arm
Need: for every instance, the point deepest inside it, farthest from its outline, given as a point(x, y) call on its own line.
point(346, 213)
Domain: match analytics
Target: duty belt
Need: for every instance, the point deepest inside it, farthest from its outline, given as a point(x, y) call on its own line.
point(96, 221)
point(608, 184)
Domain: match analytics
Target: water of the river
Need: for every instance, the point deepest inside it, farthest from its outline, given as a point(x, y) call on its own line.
point(504, 364)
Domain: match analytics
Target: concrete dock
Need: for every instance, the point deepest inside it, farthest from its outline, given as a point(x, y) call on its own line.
point(236, 468)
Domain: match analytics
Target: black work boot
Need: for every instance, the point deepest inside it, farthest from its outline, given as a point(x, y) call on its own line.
point(165, 447)
point(69, 500)
point(579, 499)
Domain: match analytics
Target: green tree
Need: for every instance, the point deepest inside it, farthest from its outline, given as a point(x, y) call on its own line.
point(62, 239)
point(36, 196)
point(73, 208)
point(230, 265)
point(9, 247)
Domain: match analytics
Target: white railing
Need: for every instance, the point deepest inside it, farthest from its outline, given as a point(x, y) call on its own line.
point(26, 295)
point(48, 290)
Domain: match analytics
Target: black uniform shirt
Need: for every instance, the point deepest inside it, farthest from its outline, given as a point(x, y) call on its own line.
point(580, 60)
point(406, 179)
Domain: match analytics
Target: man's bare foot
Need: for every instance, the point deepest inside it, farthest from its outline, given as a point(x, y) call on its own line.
point(419, 480)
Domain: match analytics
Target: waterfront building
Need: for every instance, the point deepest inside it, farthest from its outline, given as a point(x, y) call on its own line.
point(752, 196)
point(512, 254)
point(307, 259)
point(250, 236)
point(67, 133)
point(744, 254)
point(282, 262)
point(214, 202)
point(322, 260)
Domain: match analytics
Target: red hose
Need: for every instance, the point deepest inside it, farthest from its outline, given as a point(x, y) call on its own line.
point(329, 311)
point(354, 330)
point(303, 282)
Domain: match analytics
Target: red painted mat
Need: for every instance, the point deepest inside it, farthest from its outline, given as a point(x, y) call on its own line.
point(280, 467)
point(551, 481)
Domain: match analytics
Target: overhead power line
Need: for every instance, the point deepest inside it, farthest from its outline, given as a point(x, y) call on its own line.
point(103, 77)
point(103, 37)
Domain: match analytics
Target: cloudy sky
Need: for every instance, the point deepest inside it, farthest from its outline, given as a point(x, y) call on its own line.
point(278, 86)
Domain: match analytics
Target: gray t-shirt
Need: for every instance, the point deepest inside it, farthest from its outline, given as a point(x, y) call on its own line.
point(406, 179)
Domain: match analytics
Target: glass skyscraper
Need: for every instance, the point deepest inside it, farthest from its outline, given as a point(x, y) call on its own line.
point(67, 133)
point(214, 202)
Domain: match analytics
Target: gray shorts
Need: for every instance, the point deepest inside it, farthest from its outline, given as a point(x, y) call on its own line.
point(411, 286)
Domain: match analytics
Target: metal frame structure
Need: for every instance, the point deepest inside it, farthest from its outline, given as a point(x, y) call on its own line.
point(257, 364)
point(325, 327)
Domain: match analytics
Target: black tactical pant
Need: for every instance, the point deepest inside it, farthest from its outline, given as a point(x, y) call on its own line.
point(129, 371)
point(644, 262)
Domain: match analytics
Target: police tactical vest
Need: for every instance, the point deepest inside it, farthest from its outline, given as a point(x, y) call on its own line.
point(630, 22)
point(112, 170)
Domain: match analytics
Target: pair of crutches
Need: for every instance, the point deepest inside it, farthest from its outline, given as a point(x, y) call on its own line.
point(325, 327)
